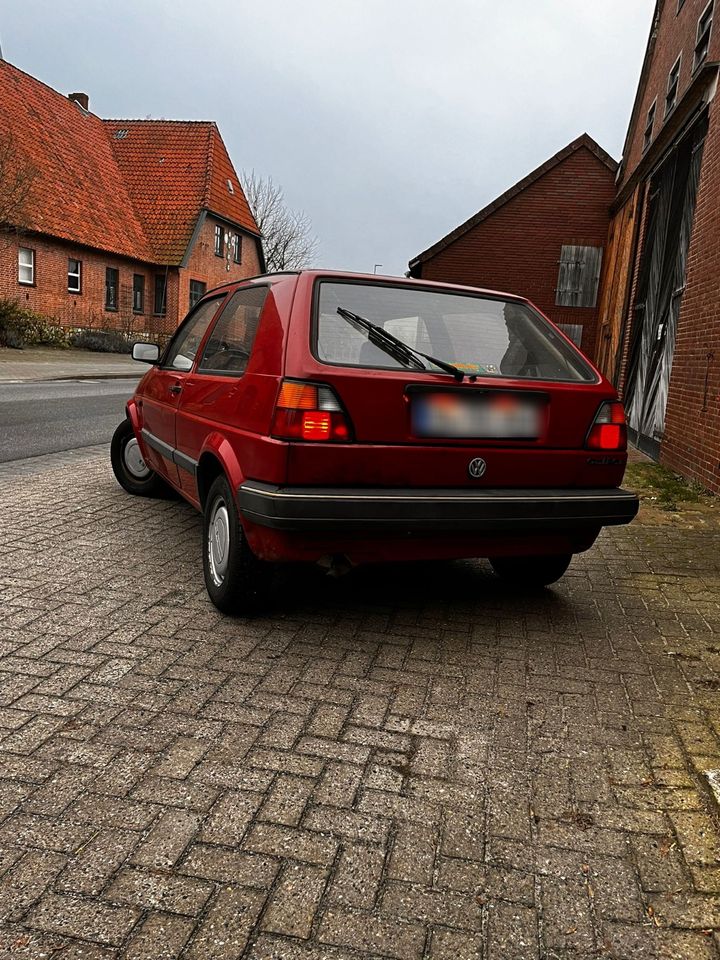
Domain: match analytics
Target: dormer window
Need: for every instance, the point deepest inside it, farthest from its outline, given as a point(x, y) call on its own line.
point(672, 87)
point(704, 30)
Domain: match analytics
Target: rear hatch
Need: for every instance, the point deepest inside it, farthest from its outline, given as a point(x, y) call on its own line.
point(524, 406)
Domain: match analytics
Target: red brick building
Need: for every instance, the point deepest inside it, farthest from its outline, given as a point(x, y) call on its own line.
point(660, 295)
point(127, 222)
point(543, 239)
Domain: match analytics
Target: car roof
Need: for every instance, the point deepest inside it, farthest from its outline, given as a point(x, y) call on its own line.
point(372, 277)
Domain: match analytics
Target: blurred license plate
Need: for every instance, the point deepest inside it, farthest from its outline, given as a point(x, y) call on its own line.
point(506, 416)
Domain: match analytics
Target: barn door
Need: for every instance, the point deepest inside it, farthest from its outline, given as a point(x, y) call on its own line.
point(661, 284)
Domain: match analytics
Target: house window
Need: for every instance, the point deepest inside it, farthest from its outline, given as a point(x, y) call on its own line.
point(237, 248)
point(649, 124)
point(219, 241)
point(111, 288)
point(26, 266)
point(197, 291)
point(160, 304)
point(138, 293)
point(672, 87)
point(579, 276)
point(74, 276)
point(703, 35)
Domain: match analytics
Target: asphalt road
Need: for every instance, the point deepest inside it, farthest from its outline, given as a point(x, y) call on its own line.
point(58, 415)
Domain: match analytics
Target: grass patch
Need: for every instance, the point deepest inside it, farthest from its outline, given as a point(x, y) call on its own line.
point(666, 489)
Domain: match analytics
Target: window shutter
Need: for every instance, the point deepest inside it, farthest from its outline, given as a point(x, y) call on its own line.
point(579, 276)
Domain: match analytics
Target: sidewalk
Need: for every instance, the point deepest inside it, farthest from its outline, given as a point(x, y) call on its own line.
point(47, 363)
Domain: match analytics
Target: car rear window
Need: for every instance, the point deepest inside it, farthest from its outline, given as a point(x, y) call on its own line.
point(484, 336)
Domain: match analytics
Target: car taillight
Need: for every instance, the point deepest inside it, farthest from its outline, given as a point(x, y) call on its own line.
point(608, 431)
point(308, 411)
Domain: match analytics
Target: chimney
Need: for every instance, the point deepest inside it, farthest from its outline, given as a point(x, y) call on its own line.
point(82, 99)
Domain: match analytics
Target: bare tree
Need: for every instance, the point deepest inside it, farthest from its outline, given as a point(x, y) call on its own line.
point(17, 176)
point(288, 240)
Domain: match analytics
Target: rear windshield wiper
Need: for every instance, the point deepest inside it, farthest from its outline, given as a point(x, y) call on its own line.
point(394, 347)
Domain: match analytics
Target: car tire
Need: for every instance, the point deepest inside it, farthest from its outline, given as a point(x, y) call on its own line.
point(531, 571)
point(237, 581)
point(131, 471)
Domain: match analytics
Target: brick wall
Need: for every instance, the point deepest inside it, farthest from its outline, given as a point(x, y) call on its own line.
point(517, 248)
point(691, 444)
point(49, 295)
point(205, 266)
point(676, 34)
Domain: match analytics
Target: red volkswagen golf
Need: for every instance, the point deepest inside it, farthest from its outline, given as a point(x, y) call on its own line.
point(343, 419)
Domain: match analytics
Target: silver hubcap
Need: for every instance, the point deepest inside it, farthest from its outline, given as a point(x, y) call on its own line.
point(218, 542)
point(134, 460)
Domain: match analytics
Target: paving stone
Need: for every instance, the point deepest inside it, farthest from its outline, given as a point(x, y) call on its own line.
point(167, 840)
point(452, 944)
point(27, 881)
point(698, 836)
point(400, 776)
point(294, 901)
point(287, 800)
point(86, 919)
point(285, 842)
point(649, 942)
point(486, 882)
point(230, 818)
point(161, 937)
point(229, 866)
point(160, 890)
point(425, 905)
point(96, 861)
point(512, 932)
point(357, 878)
point(226, 925)
point(365, 932)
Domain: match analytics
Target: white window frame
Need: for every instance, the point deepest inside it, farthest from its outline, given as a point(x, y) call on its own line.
point(78, 275)
point(669, 107)
point(219, 236)
point(708, 9)
point(649, 125)
point(25, 266)
point(237, 248)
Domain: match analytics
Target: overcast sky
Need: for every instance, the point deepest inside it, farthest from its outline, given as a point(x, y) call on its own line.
point(388, 121)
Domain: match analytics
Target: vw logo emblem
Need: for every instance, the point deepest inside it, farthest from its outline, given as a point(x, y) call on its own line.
point(477, 468)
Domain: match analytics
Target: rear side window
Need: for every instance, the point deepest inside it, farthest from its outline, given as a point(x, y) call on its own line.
point(481, 335)
point(228, 348)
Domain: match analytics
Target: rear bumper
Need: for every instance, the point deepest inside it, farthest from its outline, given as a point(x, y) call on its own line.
point(369, 512)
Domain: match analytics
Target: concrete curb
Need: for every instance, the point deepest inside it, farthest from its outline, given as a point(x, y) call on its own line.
point(77, 376)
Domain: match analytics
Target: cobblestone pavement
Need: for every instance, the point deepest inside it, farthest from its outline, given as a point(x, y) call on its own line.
point(407, 763)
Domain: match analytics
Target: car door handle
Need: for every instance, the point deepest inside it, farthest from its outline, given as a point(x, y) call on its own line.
point(176, 388)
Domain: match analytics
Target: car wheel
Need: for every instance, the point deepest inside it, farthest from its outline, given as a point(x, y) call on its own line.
point(531, 571)
point(131, 471)
point(237, 581)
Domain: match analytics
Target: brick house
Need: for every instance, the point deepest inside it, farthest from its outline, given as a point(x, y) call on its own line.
point(660, 293)
point(127, 222)
point(543, 239)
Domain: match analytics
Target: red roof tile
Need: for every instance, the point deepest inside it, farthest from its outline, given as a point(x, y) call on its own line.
point(130, 187)
point(78, 193)
point(172, 170)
